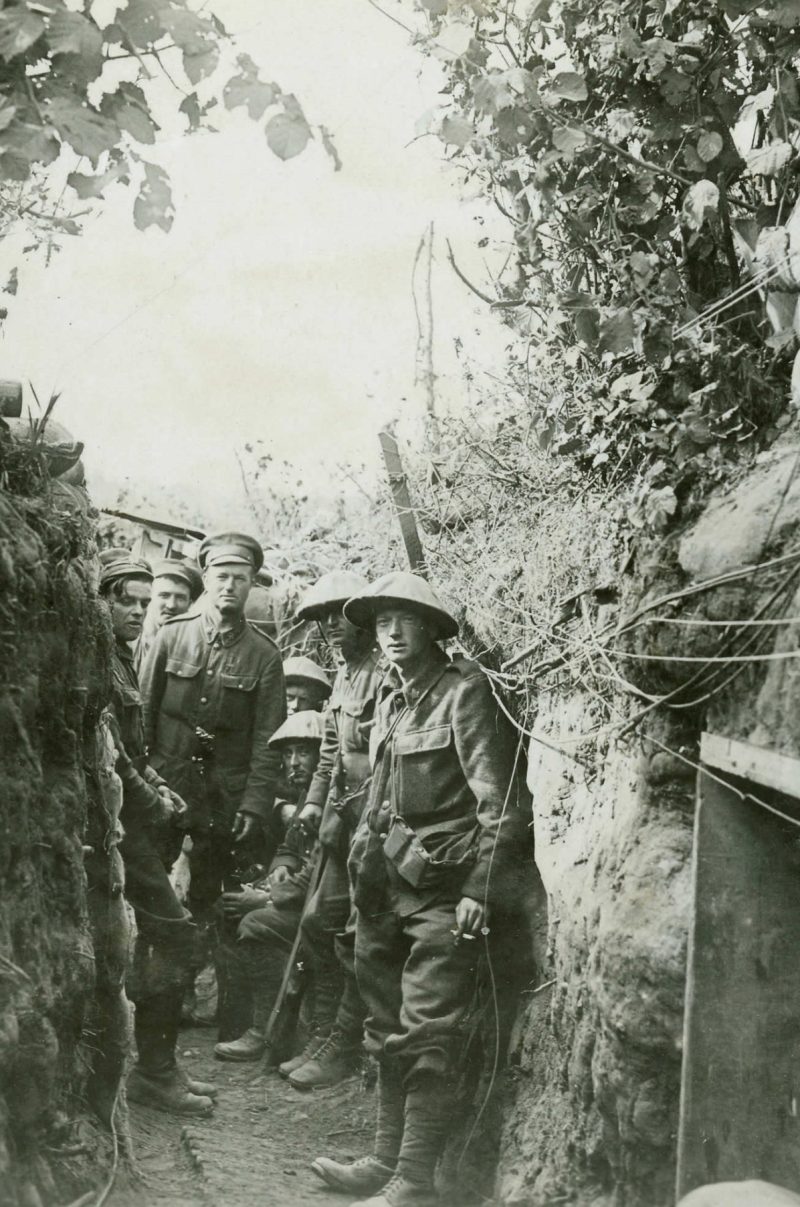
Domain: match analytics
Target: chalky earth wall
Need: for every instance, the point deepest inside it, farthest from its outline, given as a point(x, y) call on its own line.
point(592, 1106)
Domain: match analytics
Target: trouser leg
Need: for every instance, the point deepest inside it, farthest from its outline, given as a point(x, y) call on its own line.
point(428, 1108)
point(380, 954)
point(325, 917)
point(351, 1010)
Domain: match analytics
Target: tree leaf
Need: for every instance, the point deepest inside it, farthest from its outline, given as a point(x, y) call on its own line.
point(768, 160)
point(190, 106)
point(568, 140)
point(153, 205)
point(128, 107)
point(453, 40)
point(140, 21)
point(19, 29)
point(23, 144)
point(709, 146)
point(196, 37)
point(247, 89)
point(71, 33)
point(659, 506)
point(94, 186)
point(85, 129)
point(700, 202)
point(287, 134)
point(457, 131)
point(330, 147)
point(436, 8)
point(569, 86)
point(617, 331)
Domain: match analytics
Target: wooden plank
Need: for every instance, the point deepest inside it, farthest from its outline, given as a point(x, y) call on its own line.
point(754, 763)
point(398, 485)
point(740, 1092)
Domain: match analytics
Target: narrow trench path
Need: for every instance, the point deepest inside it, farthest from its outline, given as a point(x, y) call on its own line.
point(256, 1148)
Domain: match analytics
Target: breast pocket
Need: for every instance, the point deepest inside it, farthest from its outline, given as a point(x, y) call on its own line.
point(421, 762)
point(238, 701)
point(181, 686)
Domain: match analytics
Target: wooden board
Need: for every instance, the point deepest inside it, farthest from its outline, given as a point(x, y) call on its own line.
point(398, 485)
point(740, 1093)
point(754, 763)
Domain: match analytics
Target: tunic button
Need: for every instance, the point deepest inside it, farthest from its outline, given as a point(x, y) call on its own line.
point(204, 699)
point(386, 806)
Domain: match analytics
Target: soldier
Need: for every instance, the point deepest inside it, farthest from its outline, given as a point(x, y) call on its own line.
point(307, 685)
point(176, 586)
point(444, 825)
point(214, 695)
point(334, 1047)
point(270, 910)
point(165, 932)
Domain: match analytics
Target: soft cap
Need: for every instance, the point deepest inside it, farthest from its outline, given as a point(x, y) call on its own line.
point(230, 547)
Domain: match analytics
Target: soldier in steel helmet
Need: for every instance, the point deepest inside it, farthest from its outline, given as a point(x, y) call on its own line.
point(267, 914)
point(444, 827)
point(177, 584)
point(336, 795)
point(307, 685)
point(214, 695)
point(165, 933)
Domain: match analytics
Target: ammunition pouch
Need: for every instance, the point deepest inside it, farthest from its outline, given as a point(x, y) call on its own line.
point(416, 865)
point(341, 817)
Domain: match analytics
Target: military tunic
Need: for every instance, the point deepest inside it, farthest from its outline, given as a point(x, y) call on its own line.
point(449, 765)
point(212, 701)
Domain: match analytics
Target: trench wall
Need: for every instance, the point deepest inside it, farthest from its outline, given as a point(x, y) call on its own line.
point(53, 647)
point(591, 1100)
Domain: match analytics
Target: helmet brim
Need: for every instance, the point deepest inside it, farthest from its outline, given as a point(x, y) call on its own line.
point(361, 611)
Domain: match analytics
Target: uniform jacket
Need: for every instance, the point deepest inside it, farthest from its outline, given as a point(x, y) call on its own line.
point(449, 763)
point(229, 686)
point(140, 802)
point(348, 720)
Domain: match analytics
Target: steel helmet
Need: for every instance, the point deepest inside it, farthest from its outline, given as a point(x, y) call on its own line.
point(300, 727)
point(330, 591)
point(409, 590)
point(305, 670)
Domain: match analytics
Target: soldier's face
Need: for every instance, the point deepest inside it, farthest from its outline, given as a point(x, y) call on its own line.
point(339, 633)
point(300, 760)
point(403, 636)
point(228, 585)
point(170, 598)
point(302, 697)
point(128, 609)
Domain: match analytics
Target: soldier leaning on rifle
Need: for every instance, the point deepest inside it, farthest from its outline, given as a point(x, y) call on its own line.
point(444, 825)
point(268, 912)
point(176, 586)
point(333, 1050)
point(213, 695)
point(165, 933)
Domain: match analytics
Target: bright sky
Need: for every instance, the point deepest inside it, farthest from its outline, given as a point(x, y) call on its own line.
point(279, 307)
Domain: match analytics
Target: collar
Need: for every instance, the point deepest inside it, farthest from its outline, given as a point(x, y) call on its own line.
point(351, 669)
point(213, 634)
point(124, 651)
point(422, 682)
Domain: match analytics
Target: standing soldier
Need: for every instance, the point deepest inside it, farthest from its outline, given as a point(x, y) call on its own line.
point(444, 826)
point(334, 1048)
point(176, 586)
point(165, 932)
point(213, 697)
point(307, 685)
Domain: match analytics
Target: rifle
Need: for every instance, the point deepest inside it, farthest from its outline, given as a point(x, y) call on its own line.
point(287, 1002)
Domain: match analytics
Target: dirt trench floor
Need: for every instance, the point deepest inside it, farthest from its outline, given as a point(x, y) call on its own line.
point(256, 1148)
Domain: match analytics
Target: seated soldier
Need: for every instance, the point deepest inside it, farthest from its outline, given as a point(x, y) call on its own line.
point(267, 914)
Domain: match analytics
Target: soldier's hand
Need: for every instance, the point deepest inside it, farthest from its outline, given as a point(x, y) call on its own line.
point(180, 811)
point(245, 827)
point(470, 918)
point(311, 816)
point(236, 905)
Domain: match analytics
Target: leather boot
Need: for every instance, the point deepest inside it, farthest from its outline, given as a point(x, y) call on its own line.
point(166, 1091)
point(336, 1059)
point(203, 1089)
point(427, 1114)
point(313, 1043)
point(371, 1174)
point(250, 1046)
